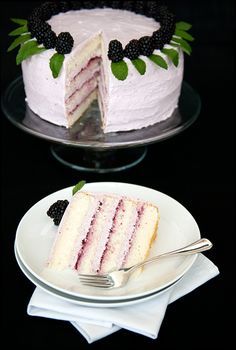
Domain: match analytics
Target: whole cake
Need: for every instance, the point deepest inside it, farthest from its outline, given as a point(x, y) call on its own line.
point(126, 54)
point(99, 233)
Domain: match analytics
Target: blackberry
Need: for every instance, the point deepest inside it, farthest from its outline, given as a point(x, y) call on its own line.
point(39, 30)
point(166, 35)
point(115, 51)
point(139, 7)
point(32, 24)
point(65, 6)
point(64, 43)
point(49, 40)
point(57, 210)
point(158, 40)
point(132, 49)
point(152, 9)
point(168, 21)
point(146, 45)
point(161, 11)
point(48, 10)
point(128, 5)
point(35, 15)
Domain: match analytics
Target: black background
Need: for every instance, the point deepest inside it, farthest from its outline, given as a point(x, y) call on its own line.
point(195, 167)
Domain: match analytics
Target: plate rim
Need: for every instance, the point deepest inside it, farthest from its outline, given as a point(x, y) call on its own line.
point(86, 301)
point(102, 297)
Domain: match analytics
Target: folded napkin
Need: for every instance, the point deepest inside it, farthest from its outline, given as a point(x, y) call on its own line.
point(144, 318)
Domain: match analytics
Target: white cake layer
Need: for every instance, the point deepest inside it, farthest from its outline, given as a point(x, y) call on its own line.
point(145, 233)
point(81, 77)
point(98, 236)
point(118, 244)
point(81, 94)
point(71, 232)
point(82, 108)
point(137, 102)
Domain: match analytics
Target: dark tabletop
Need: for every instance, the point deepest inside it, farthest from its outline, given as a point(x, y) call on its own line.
point(194, 167)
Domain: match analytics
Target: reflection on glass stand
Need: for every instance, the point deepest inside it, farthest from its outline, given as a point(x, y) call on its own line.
point(85, 147)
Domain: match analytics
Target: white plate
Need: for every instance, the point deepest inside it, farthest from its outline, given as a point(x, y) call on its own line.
point(177, 228)
point(83, 301)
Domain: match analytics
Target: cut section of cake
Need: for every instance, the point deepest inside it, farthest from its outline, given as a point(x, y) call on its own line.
point(100, 233)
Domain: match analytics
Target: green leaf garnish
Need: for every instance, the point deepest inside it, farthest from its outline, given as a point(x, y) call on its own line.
point(140, 65)
point(172, 54)
point(19, 21)
point(56, 62)
point(183, 25)
point(19, 31)
point(28, 49)
point(20, 40)
point(78, 187)
point(119, 70)
point(159, 61)
point(184, 44)
point(184, 35)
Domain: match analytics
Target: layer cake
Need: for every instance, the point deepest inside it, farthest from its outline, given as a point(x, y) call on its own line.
point(99, 233)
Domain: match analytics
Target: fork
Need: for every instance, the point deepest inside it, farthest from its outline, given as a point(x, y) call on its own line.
point(120, 277)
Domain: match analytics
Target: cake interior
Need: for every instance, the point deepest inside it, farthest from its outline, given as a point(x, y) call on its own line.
point(101, 233)
point(82, 79)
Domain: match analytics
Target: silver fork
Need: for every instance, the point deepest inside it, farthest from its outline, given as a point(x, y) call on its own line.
point(119, 278)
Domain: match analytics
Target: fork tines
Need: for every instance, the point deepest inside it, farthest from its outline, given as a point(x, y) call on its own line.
point(101, 281)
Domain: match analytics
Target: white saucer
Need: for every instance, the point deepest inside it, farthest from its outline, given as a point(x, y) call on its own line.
point(36, 232)
point(85, 301)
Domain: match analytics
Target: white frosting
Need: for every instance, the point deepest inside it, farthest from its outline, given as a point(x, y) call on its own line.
point(137, 102)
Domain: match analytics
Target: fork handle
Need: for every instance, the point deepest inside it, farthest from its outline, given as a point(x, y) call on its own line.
point(193, 248)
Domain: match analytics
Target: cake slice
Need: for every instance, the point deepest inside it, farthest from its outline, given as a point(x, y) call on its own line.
point(100, 233)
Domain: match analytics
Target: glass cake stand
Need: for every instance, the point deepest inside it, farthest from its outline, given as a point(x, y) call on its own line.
point(85, 147)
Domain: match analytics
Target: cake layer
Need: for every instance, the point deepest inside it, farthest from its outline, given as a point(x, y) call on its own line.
point(69, 239)
point(80, 109)
point(83, 75)
point(98, 236)
point(118, 245)
point(103, 232)
point(81, 94)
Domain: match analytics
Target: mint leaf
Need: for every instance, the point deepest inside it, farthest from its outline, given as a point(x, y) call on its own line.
point(19, 21)
point(184, 44)
point(20, 40)
point(19, 31)
point(140, 65)
point(172, 54)
point(56, 62)
point(119, 70)
point(78, 187)
point(184, 35)
point(28, 49)
point(183, 25)
point(158, 60)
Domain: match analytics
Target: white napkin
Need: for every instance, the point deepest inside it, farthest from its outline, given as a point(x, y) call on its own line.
point(144, 318)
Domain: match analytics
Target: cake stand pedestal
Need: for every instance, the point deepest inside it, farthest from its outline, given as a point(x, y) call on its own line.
point(98, 161)
point(85, 147)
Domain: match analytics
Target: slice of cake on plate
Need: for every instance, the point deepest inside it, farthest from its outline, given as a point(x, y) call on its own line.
point(99, 233)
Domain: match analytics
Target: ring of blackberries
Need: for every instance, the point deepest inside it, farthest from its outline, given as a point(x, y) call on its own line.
point(63, 43)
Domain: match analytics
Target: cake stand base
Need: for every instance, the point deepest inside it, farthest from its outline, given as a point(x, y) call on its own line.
point(99, 161)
